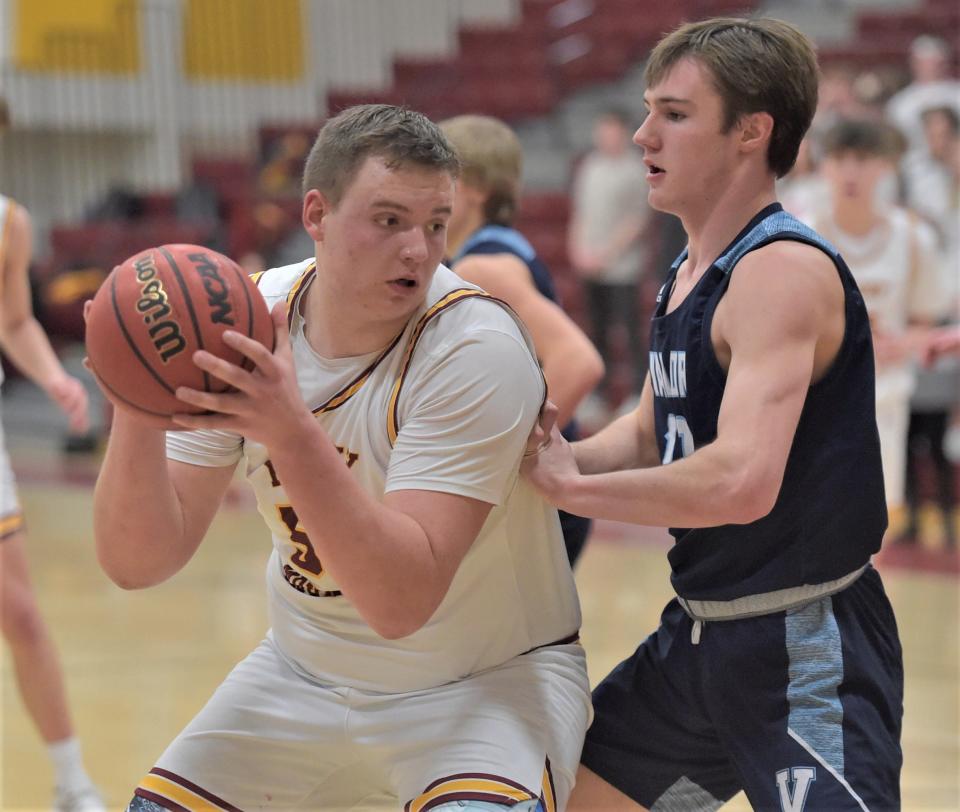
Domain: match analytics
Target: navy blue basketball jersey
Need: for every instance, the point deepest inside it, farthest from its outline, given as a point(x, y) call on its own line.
point(494, 239)
point(830, 515)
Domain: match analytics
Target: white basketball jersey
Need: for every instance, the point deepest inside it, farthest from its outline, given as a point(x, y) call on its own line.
point(897, 268)
point(401, 422)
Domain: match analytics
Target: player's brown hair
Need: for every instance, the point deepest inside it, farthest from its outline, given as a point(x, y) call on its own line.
point(757, 65)
point(398, 135)
point(491, 160)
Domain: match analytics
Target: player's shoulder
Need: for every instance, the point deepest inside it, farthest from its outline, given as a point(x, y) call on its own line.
point(458, 313)
point(475, 307)
point(277, 283)
point(785, 281)
point(794, 254)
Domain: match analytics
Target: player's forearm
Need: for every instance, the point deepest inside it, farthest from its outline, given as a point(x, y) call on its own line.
point(380, 558)
point(710, 488)
point(617, 447)
point(138, 520)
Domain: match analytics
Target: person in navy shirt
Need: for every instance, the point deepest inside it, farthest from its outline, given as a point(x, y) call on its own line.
point(777, 669)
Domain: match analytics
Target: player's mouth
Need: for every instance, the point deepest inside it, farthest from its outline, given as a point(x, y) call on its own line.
point(404, 283)
point(653, 170)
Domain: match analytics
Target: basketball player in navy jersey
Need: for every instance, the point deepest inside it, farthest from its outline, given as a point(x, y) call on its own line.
point(777, 669)
point(487, 250)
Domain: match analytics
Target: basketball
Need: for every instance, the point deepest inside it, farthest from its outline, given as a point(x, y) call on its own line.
point(155, 310)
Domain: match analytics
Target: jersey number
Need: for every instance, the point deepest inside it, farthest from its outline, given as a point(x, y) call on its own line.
point(677, 429)
point(305, 557)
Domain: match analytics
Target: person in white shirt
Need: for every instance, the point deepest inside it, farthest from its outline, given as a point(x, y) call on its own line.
point(931, 86)
point(605, 241)
point(893, 256)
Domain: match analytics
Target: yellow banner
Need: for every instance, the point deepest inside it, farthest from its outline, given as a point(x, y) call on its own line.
point(65, 35)
point(251, 40)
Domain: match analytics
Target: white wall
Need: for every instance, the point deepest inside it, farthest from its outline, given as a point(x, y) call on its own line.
point(75, 135)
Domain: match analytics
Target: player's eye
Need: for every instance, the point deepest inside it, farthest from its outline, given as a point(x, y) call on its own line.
point(389, 220)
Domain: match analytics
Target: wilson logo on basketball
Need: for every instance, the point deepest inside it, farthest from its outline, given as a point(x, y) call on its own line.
point(217, 291)
point(154, 311)
point(154, 305)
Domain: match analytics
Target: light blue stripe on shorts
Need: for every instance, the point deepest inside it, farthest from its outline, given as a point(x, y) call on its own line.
point(816, 671)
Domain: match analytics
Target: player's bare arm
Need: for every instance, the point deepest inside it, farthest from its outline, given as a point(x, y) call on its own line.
point(22, 336)
point(394, 559)
point(628, 442)
point(150, 513)
point(776, 330)
point(571, 364)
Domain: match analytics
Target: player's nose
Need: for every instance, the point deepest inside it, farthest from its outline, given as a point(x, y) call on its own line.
point(644, 135)
point(414, 246)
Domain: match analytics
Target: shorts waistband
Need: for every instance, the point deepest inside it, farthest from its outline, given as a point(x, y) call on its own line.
point(766, 603)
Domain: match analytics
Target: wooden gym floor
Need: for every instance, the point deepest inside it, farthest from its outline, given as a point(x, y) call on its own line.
point(140, 664)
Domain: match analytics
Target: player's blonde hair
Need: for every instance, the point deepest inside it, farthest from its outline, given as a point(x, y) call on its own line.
point(757, 65)
point(491, 160)
point(398, 135)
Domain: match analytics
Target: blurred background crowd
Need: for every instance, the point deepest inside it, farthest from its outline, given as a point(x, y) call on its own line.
point(130, 123)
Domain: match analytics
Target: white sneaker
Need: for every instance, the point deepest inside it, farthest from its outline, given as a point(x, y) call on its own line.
point(86, 799)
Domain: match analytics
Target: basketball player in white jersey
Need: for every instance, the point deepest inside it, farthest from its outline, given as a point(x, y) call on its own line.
point(424, 619)
point(35, 662)
point(893, 256)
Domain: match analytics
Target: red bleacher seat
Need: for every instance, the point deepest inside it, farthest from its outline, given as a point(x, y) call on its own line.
point(233, 178)
point(865, 55)
point(545, 207)
point(109, 243)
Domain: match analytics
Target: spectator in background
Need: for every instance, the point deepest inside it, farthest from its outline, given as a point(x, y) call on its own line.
point(892, 255)
point(842, 93)
point(931, 180)
point(282, 165)
point(931, 86)
point(609, 216)
point(932, 188)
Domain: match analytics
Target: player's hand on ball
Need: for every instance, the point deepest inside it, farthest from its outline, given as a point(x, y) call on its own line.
point(266, 403)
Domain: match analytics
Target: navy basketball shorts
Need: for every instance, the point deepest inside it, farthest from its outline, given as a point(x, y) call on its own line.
point(800, 708)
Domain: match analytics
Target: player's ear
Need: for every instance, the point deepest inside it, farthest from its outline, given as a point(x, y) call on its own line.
point(756, 130)
point(315, 208)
